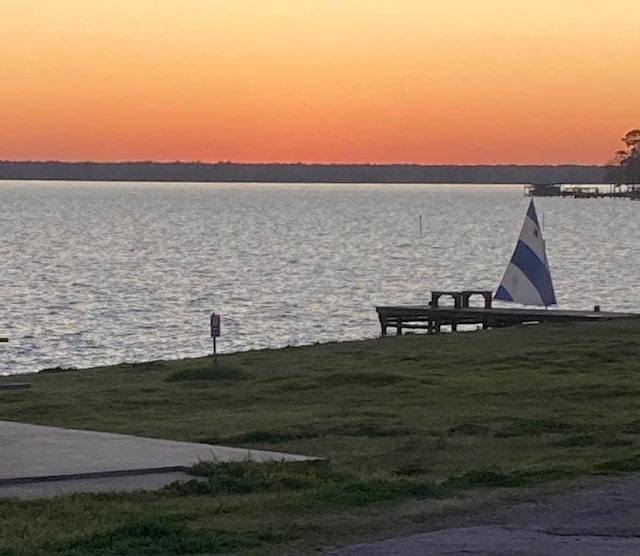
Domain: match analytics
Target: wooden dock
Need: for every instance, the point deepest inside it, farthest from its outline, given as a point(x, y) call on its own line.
point(432, 317)
point(576, 192)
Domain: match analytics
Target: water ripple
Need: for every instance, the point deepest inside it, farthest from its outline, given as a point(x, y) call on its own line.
point(94, 274)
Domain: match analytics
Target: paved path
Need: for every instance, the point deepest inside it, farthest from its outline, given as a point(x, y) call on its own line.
point(602, 521)
point(120, 483)
point(32, 455)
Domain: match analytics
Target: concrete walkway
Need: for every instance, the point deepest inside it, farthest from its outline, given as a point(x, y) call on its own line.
point(32, 457)
point(603, 521)
point(119, 483)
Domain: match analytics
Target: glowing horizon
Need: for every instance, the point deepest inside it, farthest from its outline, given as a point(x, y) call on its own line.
point(326, 81)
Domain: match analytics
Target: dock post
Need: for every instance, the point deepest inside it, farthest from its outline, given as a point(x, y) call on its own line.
point(383, 324)
point(399, 327)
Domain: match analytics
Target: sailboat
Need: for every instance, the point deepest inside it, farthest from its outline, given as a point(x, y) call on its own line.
point(527, 280)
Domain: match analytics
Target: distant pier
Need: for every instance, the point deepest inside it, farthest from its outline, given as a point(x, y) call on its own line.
point(433, 316)
point(582, 192)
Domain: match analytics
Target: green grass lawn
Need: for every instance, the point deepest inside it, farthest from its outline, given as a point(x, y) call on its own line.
point(411, 427)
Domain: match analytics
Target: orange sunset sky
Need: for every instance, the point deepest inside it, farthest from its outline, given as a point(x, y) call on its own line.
point(435, 82)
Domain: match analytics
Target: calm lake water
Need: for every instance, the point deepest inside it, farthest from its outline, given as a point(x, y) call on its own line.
point(95, 273)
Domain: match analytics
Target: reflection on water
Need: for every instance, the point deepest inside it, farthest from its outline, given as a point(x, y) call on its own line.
point(102, 273)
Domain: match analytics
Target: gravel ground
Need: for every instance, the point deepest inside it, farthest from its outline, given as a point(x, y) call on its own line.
point(598, 521)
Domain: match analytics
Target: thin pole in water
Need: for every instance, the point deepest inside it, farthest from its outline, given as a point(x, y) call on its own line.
point(215, 353)
point(420, 223)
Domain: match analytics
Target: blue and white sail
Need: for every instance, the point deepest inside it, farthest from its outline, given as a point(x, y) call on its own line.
point(527, 279)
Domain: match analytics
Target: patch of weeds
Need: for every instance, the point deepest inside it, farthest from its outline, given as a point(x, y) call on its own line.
point(378, 415)
point(316, 484)
point(349, 491)
point(518, 358)
point(56, 370)
point(604, 392)
point(626, 465)
point(476, 478)
point(440, 443)
point(614, 352)
point(631, 428)
point(577, 441)
point(249, 476)
point(420, 357)
point(297, 386)
point(411, 469)
point(270, 437)
point(193, 487)
point(359, 378)
point(273, 437)
point(617, 443)
point(469, 429)
point(492, 478)
point(415, 447)
point(162, 536)
point(144, 366)
point(533, 476)
point(208, 373)
point(533, 427)
point(370, 430)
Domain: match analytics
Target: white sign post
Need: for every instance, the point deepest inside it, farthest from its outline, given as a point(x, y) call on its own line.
point(215, 333)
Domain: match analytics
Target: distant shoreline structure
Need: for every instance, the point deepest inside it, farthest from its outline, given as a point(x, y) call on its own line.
point(300, 173)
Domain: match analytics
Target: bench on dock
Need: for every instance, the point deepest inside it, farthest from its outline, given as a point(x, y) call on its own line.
point(433, 316)
point(461, 298)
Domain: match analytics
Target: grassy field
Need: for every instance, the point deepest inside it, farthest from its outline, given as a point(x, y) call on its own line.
point(412, 427)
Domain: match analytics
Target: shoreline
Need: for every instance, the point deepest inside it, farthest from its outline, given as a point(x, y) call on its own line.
point(232, 172)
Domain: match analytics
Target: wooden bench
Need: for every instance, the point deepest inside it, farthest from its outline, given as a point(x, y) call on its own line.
point(461, 299)
point(487, 295)
point(437, 294)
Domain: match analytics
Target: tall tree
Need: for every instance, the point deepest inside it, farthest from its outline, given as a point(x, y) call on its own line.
point(624, 169)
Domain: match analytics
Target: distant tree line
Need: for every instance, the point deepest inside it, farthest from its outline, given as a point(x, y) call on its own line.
point(299, 173)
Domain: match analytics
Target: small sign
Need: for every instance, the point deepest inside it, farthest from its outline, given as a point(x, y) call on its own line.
point(215, 325)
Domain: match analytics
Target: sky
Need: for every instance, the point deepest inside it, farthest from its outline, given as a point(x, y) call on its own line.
point(380, 81)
